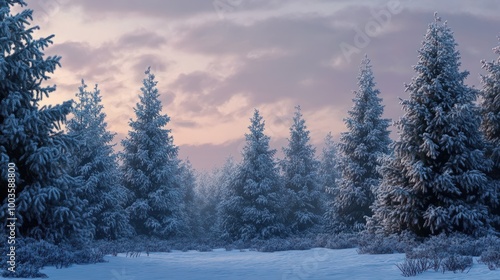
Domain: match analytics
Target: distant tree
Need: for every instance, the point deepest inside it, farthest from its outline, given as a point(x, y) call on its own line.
point(150, 168)
point(490, 127)
point(302, 182)
point(329, 174)
point(435, 181)
point(360, 148)
point(96, 163)
point(254, 205)
point(191, 208)
point(213, 189)
point(31, 137)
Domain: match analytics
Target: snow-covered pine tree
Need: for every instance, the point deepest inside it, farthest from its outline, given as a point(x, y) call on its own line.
point(366, 140)
point(31, 137)
point(94, 160)
point(435, 181)
point(490, 107)
point(212, 191)
point(150, 168)
point(191, 211)
point(329, 174)
point(254, 205)
point(302, 182)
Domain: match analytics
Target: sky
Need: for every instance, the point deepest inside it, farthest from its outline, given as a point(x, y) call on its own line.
point(217, 60)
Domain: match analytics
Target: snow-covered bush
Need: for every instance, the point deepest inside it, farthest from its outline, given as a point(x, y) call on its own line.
point(491, 258)
point(203, 248)
point(456, 263)
point(32, 255)
point(451, 253)
point(412, 267)
point(277, 244)
point(380, 244)
point(337, 241)
point(442, 245)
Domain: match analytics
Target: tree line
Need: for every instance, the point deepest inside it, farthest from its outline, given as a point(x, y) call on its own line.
point(441, 174)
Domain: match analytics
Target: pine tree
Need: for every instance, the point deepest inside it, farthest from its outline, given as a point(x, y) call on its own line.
point(31, 137)
point(150, 168)
point(435, 181)
point(212, 192)
point(302, 182)
point(254, 203)
point(329, 174)
point(490, 127)
point(96, 163)
point(360, 148)
point(190, 211)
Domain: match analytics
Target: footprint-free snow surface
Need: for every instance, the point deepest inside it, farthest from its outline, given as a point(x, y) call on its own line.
point(220, 264)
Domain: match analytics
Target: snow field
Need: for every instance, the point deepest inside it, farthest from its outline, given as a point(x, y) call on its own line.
point(317, 264)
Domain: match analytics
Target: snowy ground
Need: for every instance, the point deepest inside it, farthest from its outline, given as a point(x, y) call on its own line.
point(220, 264)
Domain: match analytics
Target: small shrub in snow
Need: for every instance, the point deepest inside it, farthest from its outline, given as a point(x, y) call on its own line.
point(337, 241)
point(274, 245)
point(379, 244)
point(491, 258)
point(32, 255)
point(412, 267)
point(88, 255)
point(456, 263)
point(204, 248)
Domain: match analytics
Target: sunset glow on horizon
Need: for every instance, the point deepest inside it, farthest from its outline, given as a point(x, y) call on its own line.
point(215, 61)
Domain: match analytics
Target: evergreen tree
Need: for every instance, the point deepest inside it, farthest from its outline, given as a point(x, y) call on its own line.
point(212, 192)
point(491, 126)
point(96, 163)
point(150, 168)
point(360, 148)
point(302, 183)
point(31, 137)
point(329, 174)
point(254, 203)
point(190, 211)
point(435, 181)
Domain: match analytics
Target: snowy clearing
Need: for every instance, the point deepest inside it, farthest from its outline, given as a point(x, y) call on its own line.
point(220, 264)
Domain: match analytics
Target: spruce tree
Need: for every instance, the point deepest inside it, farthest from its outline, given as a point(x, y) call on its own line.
point(213, 191)
point(190, 211)
point(302, 182)
point(96, 163)
point(360, 148)
point(329, 175)
point(490, 127)
point(254, 205)
point(31, 137)
point(435, 181)
point(150, 168)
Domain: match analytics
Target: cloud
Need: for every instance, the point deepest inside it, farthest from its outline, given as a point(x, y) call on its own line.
point(270, 55)
point(141, 39)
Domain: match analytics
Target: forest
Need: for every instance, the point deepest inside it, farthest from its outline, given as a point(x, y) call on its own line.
point(69, 197)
